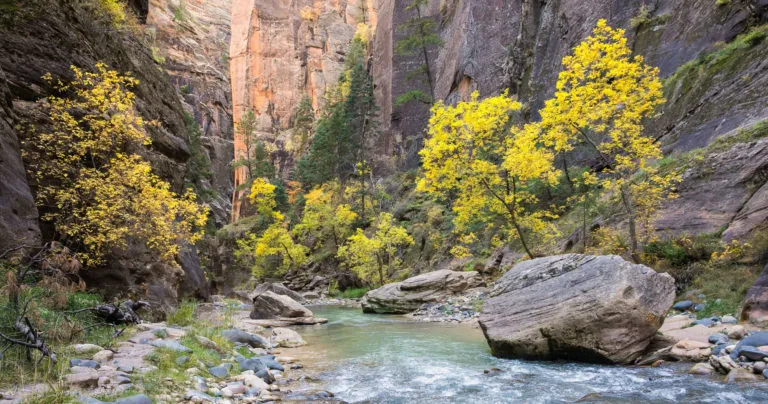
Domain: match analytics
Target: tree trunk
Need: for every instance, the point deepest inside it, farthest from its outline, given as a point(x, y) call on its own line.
point(626, 197)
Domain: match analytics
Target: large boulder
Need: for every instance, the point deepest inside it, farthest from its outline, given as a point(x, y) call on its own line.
point(407, 296)
point(270, 305)
point(756, 301)
point(277, 288)
point(576, 307)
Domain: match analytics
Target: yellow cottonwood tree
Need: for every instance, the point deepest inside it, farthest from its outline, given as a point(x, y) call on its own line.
point(603, 94)
point(272, 253)
point(471, 153)
point(324, 219)
point(374, 259)
point(262, 196)
point(97, 196)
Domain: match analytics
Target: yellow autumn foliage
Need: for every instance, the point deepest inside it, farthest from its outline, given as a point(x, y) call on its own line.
point(375, 258)
point(262, 196)
point(272, 253)
point(324, 218)
point(603, 95)
point(97, 196)
point(472, 153)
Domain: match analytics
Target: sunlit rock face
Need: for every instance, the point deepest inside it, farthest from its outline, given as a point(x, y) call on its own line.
point(280, 52)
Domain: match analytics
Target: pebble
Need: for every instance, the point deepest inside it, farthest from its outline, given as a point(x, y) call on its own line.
point(718, 339)
point(220, 371)
point(699, 307)
point(736, 332)
point(137, 399)
point(182, 360)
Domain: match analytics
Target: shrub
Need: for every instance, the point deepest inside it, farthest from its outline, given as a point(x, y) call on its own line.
point(184, 315)
point(95, 194)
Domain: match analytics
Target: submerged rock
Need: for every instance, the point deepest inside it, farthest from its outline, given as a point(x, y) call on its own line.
point(409, 295)
point(576, 307)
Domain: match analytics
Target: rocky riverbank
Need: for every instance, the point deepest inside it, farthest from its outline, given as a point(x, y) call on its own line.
point(222, 356)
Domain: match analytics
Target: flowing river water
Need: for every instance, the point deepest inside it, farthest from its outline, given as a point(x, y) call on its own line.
point(389, 359)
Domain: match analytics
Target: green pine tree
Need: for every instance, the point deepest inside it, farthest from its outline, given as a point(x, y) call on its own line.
point(421, 34)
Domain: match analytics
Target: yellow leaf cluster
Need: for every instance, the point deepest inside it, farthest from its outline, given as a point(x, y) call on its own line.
point(472, 153)
point(324, 218)
point(375, 258)
point(273, 253)
point(96, 195)
point(262, 196)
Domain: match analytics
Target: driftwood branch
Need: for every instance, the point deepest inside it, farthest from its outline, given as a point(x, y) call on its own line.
point(30, 339)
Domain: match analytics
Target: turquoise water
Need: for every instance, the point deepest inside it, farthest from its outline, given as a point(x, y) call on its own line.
point(387, 359)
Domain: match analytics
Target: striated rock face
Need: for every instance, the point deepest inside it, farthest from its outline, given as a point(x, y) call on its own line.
point(407, 296)
point(576, 307)
point(277, 57)
point(18, 213)
point(50, 36)
point(498, 45)
point(192, 41)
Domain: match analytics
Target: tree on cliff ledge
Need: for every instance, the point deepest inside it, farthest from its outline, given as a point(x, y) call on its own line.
point(603, 95)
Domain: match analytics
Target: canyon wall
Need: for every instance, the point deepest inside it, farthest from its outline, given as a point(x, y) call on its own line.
point(49, 36)
point(282, 51)
point(497, 45)
point(191, 38)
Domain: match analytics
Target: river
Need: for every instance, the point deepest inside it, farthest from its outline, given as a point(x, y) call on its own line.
point(388, 359)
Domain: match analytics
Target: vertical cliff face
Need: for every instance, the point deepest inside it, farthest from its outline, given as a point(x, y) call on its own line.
point(496, 45)
point(280, 52)
point(191, 38)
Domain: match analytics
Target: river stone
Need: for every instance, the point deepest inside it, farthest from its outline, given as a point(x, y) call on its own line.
point(701, 369)
point(137, 399)
point(718, 339)
point(220, 371)
point(683, 306)
point(241, 337)
point(279, 289)
point(287, 338)
point(752, 353)
point(85, 363)
point(271, 363)
point(576, 307)
point(84, 379)
point(736, 332)
point(175, 346)
point(103, 356)
point(409, 295)
point(269, 305)
point(729, 320)
point(198, 397)
point(756, 339)
point(253, 364)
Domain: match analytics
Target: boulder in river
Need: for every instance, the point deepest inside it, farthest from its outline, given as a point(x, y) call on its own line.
point(576, 307)
point(408, 296)
point(269, 305)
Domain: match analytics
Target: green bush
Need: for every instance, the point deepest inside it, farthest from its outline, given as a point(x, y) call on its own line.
point(184, 315)
point(354, 293)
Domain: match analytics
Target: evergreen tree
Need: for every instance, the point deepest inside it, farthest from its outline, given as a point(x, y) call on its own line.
point(302, 124)
point(421, 35)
